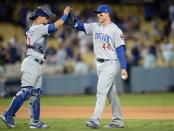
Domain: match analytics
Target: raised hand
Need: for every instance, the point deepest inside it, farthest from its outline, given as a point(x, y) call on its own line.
point(67, 10)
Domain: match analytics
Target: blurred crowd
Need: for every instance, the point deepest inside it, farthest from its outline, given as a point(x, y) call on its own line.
point(148, 35)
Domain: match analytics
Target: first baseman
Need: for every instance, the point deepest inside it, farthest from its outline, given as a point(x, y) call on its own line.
point(109, 48)
point(32, 65)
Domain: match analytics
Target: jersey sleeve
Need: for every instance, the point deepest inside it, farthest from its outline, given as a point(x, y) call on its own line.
point(89, 27)
point(42, 30)
point(119, 38)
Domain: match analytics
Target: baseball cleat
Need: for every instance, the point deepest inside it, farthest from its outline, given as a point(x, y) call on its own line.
point(92, 124)
point(111, 125)
point(38, 125)
point(8, 120)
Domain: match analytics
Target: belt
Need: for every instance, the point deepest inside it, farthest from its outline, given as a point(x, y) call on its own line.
point(39, 61)
point(102, 60)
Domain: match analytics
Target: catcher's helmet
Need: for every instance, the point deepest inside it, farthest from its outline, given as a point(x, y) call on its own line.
point(42, 11)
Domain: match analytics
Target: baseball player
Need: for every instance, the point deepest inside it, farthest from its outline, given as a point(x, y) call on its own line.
point(32, 65)
point(109, 48)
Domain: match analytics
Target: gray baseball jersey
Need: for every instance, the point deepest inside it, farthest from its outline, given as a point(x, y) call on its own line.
point(105, 40)
point(37, 38)
point(31, 67)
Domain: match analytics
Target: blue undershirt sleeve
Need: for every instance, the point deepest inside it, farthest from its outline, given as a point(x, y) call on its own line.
point(121, 56)
point(79, 25)
point(51, 28)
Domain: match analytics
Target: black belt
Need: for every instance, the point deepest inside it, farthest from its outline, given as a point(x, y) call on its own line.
point(39, 61)
point(102, 60)
point(40, 50)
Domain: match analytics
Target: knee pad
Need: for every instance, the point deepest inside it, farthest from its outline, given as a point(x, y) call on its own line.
point(35, 96)
point(35, 104)
point(24, 93)
point(18, 100)
point(36, 92)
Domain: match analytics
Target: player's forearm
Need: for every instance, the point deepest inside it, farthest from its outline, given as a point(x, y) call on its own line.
point(54, 26)
point(121, 56)
point(58, 23)
point(61, 21)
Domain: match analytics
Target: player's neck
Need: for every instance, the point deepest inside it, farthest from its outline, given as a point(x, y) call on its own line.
point(37, 22)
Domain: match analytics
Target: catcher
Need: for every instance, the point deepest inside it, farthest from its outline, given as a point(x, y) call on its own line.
point(31, 68)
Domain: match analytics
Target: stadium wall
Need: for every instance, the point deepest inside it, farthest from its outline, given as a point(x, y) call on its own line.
point(141, 80)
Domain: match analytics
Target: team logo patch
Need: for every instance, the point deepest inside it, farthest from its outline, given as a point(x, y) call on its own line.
point(122, 36)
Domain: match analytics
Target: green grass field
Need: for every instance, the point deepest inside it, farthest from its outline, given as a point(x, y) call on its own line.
point(157, 99)
point(79, 125)
point(150, 99)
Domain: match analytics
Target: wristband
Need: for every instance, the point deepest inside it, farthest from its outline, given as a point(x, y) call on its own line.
point(64, 17)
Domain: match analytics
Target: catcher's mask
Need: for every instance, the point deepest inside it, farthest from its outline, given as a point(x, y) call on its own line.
point(43, 11)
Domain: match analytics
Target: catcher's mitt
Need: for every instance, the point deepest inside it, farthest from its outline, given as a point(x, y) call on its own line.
point(70, 21)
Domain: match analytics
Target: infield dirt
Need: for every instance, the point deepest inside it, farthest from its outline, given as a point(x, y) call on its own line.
point(75, 112)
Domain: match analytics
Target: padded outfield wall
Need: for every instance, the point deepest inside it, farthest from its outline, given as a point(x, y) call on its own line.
point(141, 81)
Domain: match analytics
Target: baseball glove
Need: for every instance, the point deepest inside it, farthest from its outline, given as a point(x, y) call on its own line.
point(70, 21)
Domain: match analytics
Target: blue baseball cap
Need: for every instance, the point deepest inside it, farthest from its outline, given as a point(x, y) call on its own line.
point(104, 9)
